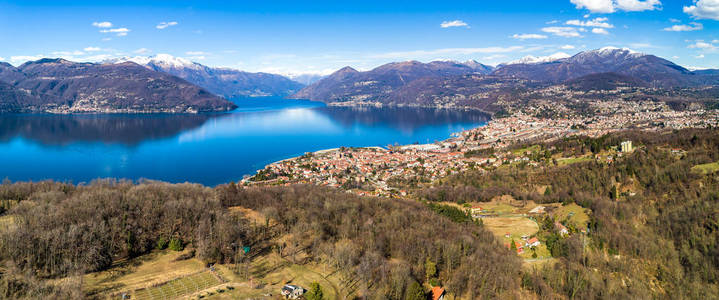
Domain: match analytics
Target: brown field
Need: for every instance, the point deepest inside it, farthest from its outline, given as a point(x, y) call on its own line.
point(141, 272)
point(515, 226)
point(253, 215)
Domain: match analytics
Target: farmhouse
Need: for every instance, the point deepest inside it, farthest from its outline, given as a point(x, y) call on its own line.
point(561, 229)
point(292, 291)
point(520, 247)
point(537, 210)
point(476, 211)
point(533, 242)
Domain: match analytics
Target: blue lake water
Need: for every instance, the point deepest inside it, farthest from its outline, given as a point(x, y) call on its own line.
point(206, 148)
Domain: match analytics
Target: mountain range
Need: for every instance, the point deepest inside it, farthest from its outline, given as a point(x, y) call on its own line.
point(61, 86)
point(163, 83)
point(348, 84)
point(648, 68)
point(443, 83)
point(225, 82)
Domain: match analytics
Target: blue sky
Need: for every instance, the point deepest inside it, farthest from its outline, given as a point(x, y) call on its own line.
point(294, 37)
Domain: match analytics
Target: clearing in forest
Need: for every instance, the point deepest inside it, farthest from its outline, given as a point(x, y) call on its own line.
point(572, 214)
point(706, 168)
point(141, 272)
point(573, 160)
point(515, 226)
point(179, 287)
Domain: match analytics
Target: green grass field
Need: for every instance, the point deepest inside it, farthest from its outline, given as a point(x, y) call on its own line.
point(573, 214)
point(541, 250)
point(573, 160)
point(498, 208)
point(522, 151)
point(706, 168)
point(179, 287)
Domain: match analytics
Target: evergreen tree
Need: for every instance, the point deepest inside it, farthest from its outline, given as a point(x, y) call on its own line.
point(414, 292)
point(315, 292)
point(176, 244)
point(430, 268)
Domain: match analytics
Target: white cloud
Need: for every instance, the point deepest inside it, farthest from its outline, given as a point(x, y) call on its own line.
point(562, 31)
point(92, 49)
point(119, 31)
point(641, 46)
point(528, 36)
point(595, 6)
point(164, 25)
point(2, 58)
point(455, 23)
point(141, 51)
point(674, 20)
point(445, 51)
point(24, 58)
point(102, 24)
point(693, 27)
point(702, 45)
point(96, 58)
point(68, 53)
point(494, 57)
point(567, 47)
point(699, 56)
point(552, 22)
point(106, 39)
point(596, 22)
point(600, 31)
point(610, 6)
point(196, 53)
point(637, 5)
point(704, 9)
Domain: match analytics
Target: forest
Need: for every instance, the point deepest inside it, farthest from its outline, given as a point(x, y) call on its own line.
point(653, 230)
point(381, 246)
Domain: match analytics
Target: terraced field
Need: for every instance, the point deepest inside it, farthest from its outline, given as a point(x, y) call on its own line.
point(179, 287)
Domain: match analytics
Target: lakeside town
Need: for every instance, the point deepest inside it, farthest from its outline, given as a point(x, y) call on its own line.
point(388, 171)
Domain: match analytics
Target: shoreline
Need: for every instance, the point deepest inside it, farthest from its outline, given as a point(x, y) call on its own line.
point(383, 105)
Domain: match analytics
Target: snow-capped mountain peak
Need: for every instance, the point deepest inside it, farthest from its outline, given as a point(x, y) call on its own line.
point(159, 60)
point(530, 59)
point(614, 51)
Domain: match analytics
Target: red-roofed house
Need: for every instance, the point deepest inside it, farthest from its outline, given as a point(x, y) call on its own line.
point(520, 248)
point(561, 229)
point(437, 293)
point(533, 242)
point(476, 211)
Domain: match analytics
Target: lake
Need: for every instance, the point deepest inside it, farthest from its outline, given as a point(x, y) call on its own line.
point(206, 148)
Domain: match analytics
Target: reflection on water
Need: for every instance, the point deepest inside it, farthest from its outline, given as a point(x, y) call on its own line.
point(206, 148)
point(123, 129)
